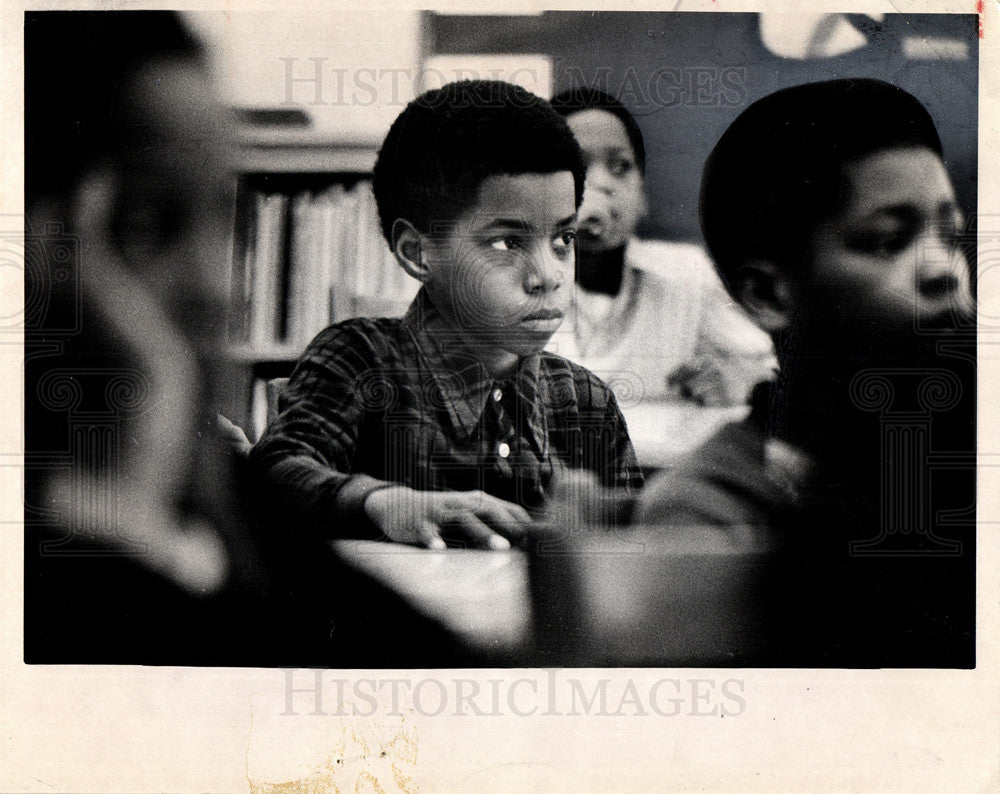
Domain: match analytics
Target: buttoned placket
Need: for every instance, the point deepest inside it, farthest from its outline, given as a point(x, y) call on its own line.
point(506, 431)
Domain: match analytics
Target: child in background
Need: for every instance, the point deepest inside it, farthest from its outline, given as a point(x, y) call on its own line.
point(649, 317)
point(453, 419)
point(831, 216)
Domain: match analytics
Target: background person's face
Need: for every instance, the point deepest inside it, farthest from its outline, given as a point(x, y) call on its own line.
point(501, 271)
point(176, 210)
point(614, 199)
point(889, 260)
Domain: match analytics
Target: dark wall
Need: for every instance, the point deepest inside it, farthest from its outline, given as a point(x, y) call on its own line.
point(686, 76)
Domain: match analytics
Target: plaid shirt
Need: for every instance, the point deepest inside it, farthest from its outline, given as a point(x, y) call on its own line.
point(378, 401)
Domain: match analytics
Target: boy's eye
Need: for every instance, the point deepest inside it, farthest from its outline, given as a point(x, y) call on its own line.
point(619, 166)
point(562, 243)
point(564, 239)
point(505, 244)
point(881, 243)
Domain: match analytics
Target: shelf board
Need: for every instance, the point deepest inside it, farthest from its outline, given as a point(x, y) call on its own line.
point(276, 352)
point(299, 153)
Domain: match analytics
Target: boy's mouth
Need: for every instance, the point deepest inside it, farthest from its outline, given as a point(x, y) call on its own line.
point(543, 320)
point(545, 314)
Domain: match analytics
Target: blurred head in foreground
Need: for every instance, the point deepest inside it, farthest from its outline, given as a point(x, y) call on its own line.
point(828, 211)
point(129, 199)
point(122, 130)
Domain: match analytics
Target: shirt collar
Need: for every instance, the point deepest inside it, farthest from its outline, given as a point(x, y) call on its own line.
point(462, 384)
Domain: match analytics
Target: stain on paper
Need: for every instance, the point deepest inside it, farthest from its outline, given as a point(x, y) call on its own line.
point(334, 754)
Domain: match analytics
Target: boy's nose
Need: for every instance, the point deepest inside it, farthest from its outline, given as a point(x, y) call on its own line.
point(942, 275)
point(595, 211)
point(943, 280)
point(939, 286)
point(545, 274)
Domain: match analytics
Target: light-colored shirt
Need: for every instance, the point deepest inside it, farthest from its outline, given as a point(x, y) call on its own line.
point(671, 310)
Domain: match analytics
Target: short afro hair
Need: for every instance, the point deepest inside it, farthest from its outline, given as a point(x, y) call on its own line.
point(575, 100)
point(776, 172)
point(448, 140)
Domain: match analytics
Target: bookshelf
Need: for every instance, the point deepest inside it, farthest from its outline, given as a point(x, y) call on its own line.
point(298, 152)
point(307, 252)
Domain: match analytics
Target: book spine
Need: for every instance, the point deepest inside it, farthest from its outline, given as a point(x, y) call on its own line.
point(241, 280)
point(300, 263)
point(266, 319)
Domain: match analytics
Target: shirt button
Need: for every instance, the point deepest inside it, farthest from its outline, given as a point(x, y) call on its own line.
point(497, 395)
point(503, 450)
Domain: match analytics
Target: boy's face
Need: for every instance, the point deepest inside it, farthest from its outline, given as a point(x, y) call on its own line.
point(501, 270)
point(889, 259)
point(614, 200)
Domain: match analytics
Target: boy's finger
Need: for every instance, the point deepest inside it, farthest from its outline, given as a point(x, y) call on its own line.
point(428, 536)
point(505, 515)
point(509, 518)
point(520, 515)
point(504, 520)
point(478, 533)
point(490, 505)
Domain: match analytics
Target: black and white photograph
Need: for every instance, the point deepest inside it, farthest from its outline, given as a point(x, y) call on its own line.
point(399, 377)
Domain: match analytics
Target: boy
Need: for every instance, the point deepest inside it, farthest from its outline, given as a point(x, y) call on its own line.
point(832, 219)
point(452, 419)
point(647, 313)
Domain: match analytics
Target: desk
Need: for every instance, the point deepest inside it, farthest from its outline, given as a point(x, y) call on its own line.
point(640, 597)
point(662, 432)
point(482, 597)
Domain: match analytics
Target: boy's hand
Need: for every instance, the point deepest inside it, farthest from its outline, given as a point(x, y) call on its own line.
point(419, 517)
point(702, 381)
point(234, 437)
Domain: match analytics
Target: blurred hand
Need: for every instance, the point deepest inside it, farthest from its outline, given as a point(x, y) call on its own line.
point(133, 508)
point(421, 517)
point(577, 501)
point(233, 436)
point(703, 381)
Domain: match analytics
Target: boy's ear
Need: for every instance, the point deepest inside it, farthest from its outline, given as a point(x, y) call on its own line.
point(408, 246)
point(765, 291)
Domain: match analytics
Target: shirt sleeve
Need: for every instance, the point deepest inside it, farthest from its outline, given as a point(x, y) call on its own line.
point(593, 430)
point(305, 457)
point(617, 466)
point(606, 446)
point(624, 471)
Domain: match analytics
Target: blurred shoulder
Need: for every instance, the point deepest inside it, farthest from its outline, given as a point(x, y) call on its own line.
point(723, 482)
point(671, 261)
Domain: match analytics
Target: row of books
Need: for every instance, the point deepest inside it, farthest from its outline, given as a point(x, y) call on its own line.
point(306, 259)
